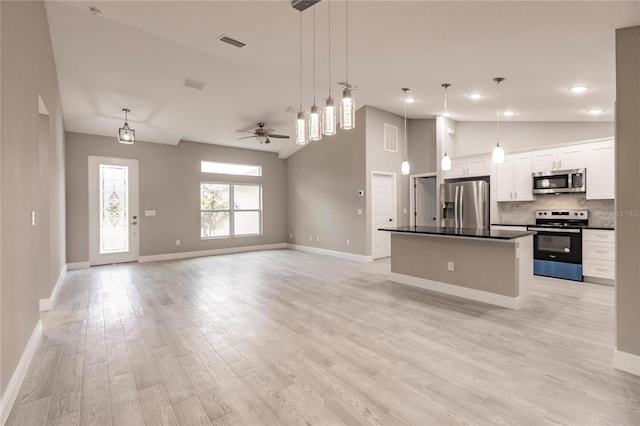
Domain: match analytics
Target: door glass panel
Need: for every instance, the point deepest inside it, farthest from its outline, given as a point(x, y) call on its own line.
point(554, 243)
point(114, 209)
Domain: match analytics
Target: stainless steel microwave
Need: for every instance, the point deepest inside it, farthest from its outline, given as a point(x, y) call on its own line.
point(560, 181)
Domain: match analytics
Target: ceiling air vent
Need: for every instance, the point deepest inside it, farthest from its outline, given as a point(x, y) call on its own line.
point(303, 4)
point(194, 84)
point(226, 39)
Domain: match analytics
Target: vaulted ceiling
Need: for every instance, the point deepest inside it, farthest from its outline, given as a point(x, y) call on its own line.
point(139, 53)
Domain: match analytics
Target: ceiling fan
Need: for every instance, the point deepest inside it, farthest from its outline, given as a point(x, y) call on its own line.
point(262, 135)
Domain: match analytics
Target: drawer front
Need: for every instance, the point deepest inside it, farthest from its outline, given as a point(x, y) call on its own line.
point(598, 250)
point(599, 268)
point(599, 235)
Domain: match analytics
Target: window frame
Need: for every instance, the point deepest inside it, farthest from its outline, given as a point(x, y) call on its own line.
point(232, 210)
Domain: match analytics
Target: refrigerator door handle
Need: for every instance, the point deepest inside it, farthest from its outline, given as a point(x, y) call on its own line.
point(455, 206)
point(461, 206)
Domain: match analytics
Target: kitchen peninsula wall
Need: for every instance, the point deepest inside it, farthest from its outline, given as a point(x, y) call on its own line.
point(601, 212)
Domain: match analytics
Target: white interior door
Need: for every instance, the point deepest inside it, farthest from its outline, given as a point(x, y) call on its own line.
point(113, 210)
point(425, 196)
point(383, 213)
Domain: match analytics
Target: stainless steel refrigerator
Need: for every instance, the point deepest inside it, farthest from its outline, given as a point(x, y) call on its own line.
point(465, 204)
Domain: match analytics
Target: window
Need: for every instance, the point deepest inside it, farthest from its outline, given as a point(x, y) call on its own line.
point(230, 168)
point(228, 210)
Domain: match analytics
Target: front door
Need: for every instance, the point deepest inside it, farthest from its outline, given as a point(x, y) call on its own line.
point(383, 213)
point(113, 210)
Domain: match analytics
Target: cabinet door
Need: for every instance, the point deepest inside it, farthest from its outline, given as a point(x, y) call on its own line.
point(504, 180)
point(457, 169)
point(572, 157)
point(522, 180)
point(544, 161)
point(478, 166)
point(601, 170)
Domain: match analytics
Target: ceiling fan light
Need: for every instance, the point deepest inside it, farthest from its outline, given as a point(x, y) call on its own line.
point(329, 117)
point(347, 110)
point(261, 138)
point(315, 124)
point(302, 134)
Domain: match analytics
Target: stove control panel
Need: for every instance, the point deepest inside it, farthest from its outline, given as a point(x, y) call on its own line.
point(562, 215)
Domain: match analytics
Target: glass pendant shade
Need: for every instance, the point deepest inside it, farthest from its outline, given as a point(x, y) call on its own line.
point(347, 110)
point(315, 124)
point(126, 134)
point(498, 154)
point(405, 167)
point(329, 118)
point(302, 135)
point(446, 162)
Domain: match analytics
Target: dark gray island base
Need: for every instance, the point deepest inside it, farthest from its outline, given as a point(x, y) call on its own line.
point(494, 267)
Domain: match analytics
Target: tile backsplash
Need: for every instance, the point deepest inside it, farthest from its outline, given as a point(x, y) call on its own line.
point(601, 212)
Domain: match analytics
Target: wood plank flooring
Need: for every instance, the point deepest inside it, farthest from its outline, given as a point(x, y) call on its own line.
point(285, 337)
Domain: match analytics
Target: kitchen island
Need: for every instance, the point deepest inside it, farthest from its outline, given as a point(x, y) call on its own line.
point(489, 266)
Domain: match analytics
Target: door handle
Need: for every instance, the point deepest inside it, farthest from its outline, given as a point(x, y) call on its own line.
point(134, 222)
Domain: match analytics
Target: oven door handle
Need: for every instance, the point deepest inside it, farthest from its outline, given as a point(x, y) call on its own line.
point(555, 230)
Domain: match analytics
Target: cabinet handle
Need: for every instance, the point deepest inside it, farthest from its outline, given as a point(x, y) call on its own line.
point(601, 251)
point(601, 269)
point(560, 164)
point(554, 165)
point(511, 195)
point(516, 197)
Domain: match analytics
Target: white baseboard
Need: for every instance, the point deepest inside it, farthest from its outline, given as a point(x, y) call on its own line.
point(47, 304)
point(454, 290)
point(626, 362)
point(78, 265)
point(212, 252)
point(340, 254)
point(11, 393)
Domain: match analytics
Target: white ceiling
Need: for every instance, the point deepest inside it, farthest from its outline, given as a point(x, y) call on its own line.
point(139, 53)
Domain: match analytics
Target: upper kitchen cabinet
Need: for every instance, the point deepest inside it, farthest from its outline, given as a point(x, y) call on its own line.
point(563, 158)
point(513, 178)
point(469, 167)
point(601, 170)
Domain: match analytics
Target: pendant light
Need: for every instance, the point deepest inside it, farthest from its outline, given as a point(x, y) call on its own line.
point(315, 116)
point(347, 106)
point(302, 131)
point(329, 114)
point(405, 164)
point(446, 161)
point(498, 153)
point(126, 134)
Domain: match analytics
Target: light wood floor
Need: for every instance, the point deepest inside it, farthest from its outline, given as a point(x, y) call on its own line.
point(285, 337)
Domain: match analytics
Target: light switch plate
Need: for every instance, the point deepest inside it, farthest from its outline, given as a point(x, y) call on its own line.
point(359, 212)
point(149, 212)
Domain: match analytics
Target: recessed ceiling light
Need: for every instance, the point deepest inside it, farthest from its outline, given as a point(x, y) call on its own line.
point(578, 89)
point(595, 111)
point(476, 96)
point(410, 100)
point(508, 113)
point(96, 11)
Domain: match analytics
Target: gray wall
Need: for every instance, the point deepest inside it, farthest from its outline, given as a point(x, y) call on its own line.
point(170, 179)
point(323, 179)
point(32, 176)
point(628, 190)
point(479, 137)
point(377, 159)
point(422, 146)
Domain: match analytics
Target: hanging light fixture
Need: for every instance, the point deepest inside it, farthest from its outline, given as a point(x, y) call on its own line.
point(347, 106)
point(405, 164)
point(329, 114)
point(446, 160)
point(125, 133)
point(498, 152)
point(302, 131)
point(315, 116)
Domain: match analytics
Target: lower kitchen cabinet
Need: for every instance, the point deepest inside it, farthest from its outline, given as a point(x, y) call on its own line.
point(599, 254)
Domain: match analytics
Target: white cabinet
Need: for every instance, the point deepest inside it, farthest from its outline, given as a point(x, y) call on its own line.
point(563, 158)
point(513, 178)
point(601, 170)
point(599, 253)
point(469, 167)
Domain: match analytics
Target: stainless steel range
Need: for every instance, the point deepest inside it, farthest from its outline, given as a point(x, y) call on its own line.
point(557, 245)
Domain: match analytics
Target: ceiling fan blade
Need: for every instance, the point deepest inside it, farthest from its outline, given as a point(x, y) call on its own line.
point(269, 130)
point(246, 131)
point(278, 136)
point(247, 137)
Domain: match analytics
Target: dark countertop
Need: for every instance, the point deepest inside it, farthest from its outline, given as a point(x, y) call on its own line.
point(512, 224)
point(459, 232)
point(604, 228)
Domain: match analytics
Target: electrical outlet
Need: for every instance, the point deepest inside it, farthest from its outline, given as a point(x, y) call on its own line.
point(404, 210)
point(348, 242)
point(177, 242)
point(450, 266)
